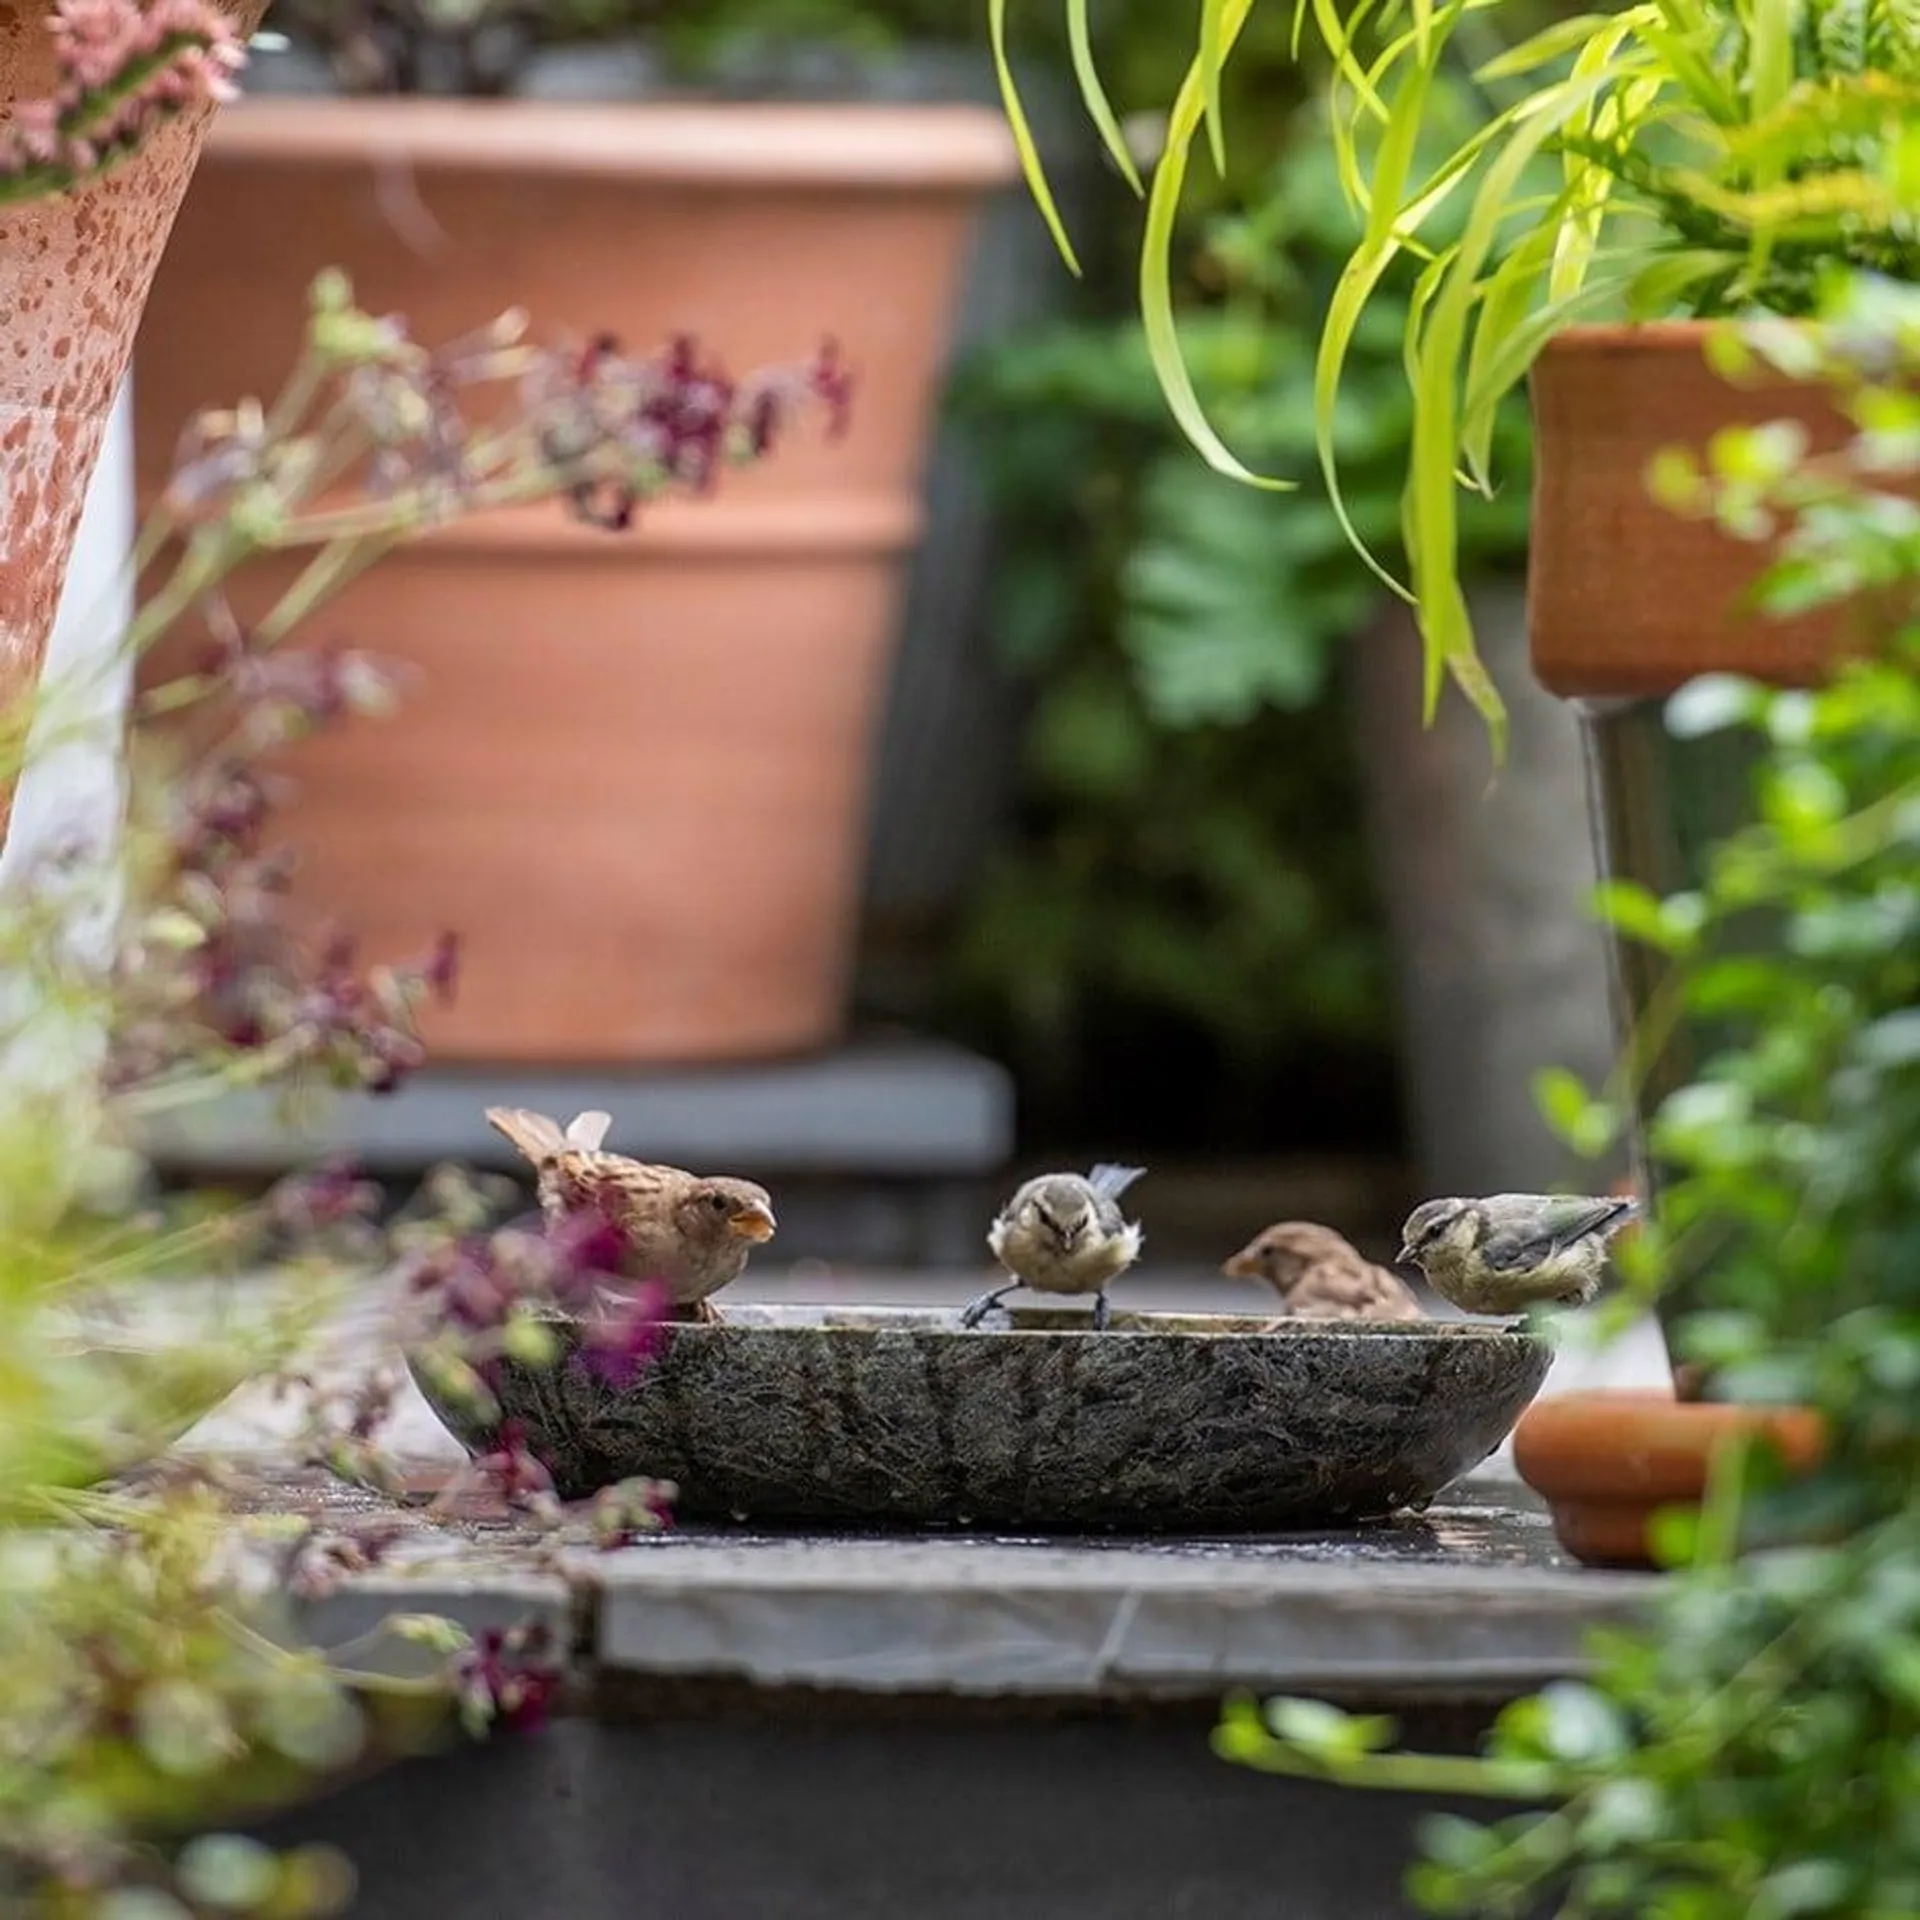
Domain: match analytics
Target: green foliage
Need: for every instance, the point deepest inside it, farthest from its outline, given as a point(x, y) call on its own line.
point(1754, 1751)
point(1707, 157)
point(154, 1680)
point(1192, 818)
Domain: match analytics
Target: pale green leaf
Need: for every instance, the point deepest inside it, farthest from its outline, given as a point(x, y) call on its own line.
point(1156, 268)
point(1023, 140)
point(1094, 94)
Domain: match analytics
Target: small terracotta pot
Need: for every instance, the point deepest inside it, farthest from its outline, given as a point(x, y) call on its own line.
point(1626, 597)
point(1607, 1460)
point(632, 773)
point(74, 274)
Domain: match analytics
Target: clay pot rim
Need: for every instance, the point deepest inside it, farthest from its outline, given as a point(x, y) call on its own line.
point(1639, 1447)
point(1630, 336)
point(1661, 1397)
point(780, 145)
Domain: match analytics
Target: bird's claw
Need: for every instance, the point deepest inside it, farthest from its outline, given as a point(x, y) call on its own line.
point(979, 1310)
point(1099, 1313)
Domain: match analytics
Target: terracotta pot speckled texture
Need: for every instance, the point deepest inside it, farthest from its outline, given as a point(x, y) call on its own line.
point(632, 771)
point(74, 274)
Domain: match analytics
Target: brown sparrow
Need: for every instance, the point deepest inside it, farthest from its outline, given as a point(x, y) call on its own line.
point(691, 1233)
point(1320, 1276)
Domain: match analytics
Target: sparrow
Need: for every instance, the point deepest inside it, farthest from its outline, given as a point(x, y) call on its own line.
point(1510, 1251)
point(1064, 1233)
point(1320, 1276)
point(692, 1233)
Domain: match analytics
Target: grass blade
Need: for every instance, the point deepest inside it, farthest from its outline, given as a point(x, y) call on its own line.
point(1099, 107)
point(1156, 267)
point(1213, 57)
point(1030, 163)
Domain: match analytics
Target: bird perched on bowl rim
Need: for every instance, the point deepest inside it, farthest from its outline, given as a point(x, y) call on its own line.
point(691, 1232)
point(1510, 1251)
point(1064, 1233)
point(1319, 1275)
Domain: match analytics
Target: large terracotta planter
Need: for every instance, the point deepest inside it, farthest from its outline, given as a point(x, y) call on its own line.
point(1607, 1461)
point(74, 274)
point(633, 772)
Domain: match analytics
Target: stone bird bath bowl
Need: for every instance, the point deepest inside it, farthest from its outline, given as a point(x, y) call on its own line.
point(894, 1416)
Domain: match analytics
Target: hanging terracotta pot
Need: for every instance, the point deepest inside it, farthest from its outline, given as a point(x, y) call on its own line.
point(74, 275)
point(1626, 598)
point(632, 770)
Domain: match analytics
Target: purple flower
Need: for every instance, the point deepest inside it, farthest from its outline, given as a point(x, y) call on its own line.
point(325, 1196)
point(620, 1339)
point(510, 1470)
point(509, 1678)
point(627, 1512)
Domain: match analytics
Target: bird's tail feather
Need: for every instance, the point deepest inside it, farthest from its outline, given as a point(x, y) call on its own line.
point(1111, 1181)
point(535, 1135)
point(587, 1130)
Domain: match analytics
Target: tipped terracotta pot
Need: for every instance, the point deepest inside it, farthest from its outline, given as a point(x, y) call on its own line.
point(633, 770)
point(1608, 1460)
point(74, 274)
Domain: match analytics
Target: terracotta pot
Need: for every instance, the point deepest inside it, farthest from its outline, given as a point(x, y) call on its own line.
point(633, 774)
point(1626, 597)
point(74, 274)
point(1606, 1461)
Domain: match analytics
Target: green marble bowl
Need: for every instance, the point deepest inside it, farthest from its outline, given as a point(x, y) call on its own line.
point(896, 1416)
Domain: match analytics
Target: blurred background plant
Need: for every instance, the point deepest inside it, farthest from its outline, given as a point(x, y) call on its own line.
point(476, 46)
point(1751, 1751)
point(1189, 860)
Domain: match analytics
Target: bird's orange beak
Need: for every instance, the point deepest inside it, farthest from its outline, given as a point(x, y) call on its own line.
point(1243, 1266)
point(753, 1223)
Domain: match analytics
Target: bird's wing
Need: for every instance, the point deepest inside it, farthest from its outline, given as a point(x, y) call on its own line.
point(1356, 1284)
point(626, 1191)
point(588, 1131)
point(1550, 1227)
point(533, 1134)
point(1110, 1182)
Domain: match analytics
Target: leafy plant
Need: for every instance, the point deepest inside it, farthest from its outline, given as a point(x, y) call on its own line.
point(1709, 157)
point(1752, 1752)
point(153, 1681)
point(1190, 829)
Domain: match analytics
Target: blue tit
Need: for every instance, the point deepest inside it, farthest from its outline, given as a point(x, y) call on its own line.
point(1064, 1233)
point(1511, 1251)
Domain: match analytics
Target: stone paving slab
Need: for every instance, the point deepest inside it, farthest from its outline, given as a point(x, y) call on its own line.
point(966, 1616)
point(1473, 1599)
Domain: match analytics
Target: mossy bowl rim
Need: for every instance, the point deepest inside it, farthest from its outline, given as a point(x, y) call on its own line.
point(778, 1319)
